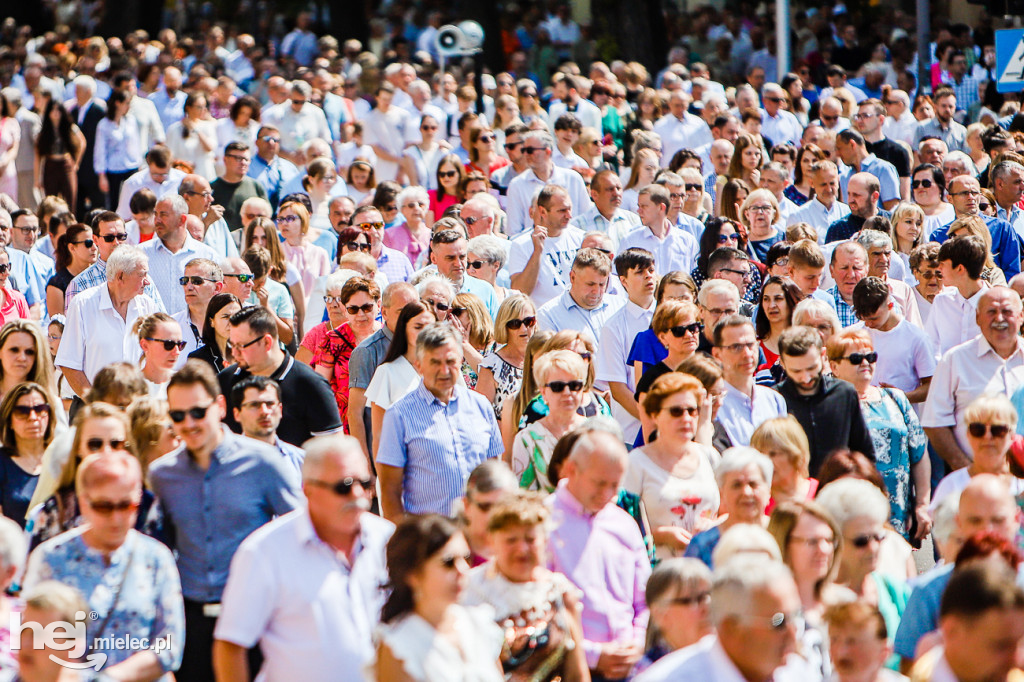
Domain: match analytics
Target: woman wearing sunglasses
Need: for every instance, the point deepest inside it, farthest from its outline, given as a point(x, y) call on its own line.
point(76, 250)
point(160, 340)
point(450, 173)
point(674, 476)
point(27, 425)
point(860, 511)
point(561, 375)
point(676, 325)
point(307, 259)
point(501, 371)
point(895, 429)
point(721, 232)
point(13, 305)
point(928, 189)
point(215, 330)
point(483, 154)
point(991, 427)
point(425, 635)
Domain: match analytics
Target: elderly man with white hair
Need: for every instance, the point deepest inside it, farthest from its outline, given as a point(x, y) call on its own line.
point(99, 320)
point(777, 124)
point(900, 123)
point(958, 163)
point(87, 111)
point(680, 129)
point(298, 120)
point(171, 248)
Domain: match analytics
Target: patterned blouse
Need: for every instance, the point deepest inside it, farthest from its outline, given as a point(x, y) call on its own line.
point(795, 195)
point(507, 379)
point(333, 352)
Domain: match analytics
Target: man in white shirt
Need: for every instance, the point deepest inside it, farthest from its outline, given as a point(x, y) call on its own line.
point(607, 214)
point(539, 261)
point(151, 128)
point(992, 362)
point(307, 586)
point(680, 129)
point(684, 187)
point(420, 106)
point(584, 305)
point(99, 320)
point(635, 268)
point(569, 101)
point(538, 146)
point(673, 248)
point(830, 115)
point(825, 208)
point(158, 177)
point(952, 319)
point(900, 123)
point(745, 405)
point(203, 279)
point(777, 124)
point(170, 249)
point(298, 120)
point(384, 129)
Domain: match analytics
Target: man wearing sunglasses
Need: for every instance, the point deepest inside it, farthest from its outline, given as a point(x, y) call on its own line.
point(392, 262)
point(333, 546)
point(734, 266)
point(214, 490)
point(171, 247)
point(778, 124)
point(992, 362)
point(502, 177)
point(542, 171)
point(268, 167)
point(203, 279)
point(437, 434)
point(238, 278)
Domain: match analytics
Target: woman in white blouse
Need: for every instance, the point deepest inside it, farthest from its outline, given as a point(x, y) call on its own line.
point(116, 154)
point(160, 340)
point(420, 160)
point(193, 139)
point(396, 375)
point(241, 125)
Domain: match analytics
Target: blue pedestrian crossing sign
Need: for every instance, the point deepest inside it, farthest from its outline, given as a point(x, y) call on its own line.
point(1010, 60)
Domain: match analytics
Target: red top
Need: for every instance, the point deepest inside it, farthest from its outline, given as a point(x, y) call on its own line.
point(14, 307)
point(439, 207)
point(812, 490)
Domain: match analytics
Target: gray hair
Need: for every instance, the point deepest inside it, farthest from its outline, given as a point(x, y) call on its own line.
point(391, 289)
point(854, 498)
point(480, 203)
point(432, 277)
point(737, 582)
point(437, 335)
point(412, 192)
point(739, 458)
point(944, 518)
point(678, 574)
point(773, 87)
point(337, 279)
point(13, 95)
point(812, 306)
point(539, 137)
point(1002, 170)
point(177, 202)
point(5, 218)
point(87, 82)
point(742, 540)
point(586, 444)
point(490, 248)
point(776, 167)
point(717, 286)
point(716, 97)
point(319, 448)
point(418, 86)
point(125, 260)
point(601, 424)
point(873, 239)
point(13, 545)
point(967, 163)
point(303, 88)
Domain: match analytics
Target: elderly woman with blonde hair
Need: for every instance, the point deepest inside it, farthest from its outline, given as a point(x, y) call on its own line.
point(785, 443)
point(759, 213)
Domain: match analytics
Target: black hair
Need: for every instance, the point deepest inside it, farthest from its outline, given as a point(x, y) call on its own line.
point(400, 341)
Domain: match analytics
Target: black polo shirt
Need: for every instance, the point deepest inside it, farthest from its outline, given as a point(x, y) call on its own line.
point(894, 153)
point(309, 407)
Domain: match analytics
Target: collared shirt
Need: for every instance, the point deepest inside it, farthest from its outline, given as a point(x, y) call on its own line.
point(953, 319)
point(565, 313)
point(849, 225)
point(966, 372)
point(677, 250)
point(165, 268)
point(95, 275)
point(884, 172)
point(739, 415)
point(190, 334)
point(437, 445)
point(143, 179)
point(142, 575)
point(587, 112)
point(603, 554)
point(96, 335)
point(273, 176)
point(689, 132)
point(367, 356)
point(297, 128)
point(845, 311)
point(781, 128)
point(311, 611)
point(817, 216)
point(387, 130)
point(1015, 216)
point(292, 454)
point(394, 264)
point(690, 225)
point(170, 109)
point(116, 148)
point(151, 128)
point(616, 340)
point(526, 184)
point(621, 223)
point(707, 660)
point(966, 91)
point(218, 238)
point(955, 136)
point(25, 272)
point(1005, 243)
point(211, 511)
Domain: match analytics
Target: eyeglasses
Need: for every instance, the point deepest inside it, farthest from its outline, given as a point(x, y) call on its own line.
point(692, 187)
point(437, 305)
point(96, 444)
point(862, 116)
point(984, 206)
point(194, 280)
point(119, 236)
point(929, 275)
point(862, 541)
point(470, 221)
point(858, 358)
point(560, 386)
point(356, 246)
point(784, 261)
point(517, 324)
point(344, 486)
point(236, 157)
point(486, 138)
point(723, 238)
point(288, 219)
point(87, 242)
point(586, 355)
point(249, 343)
point(682, 330)
point(530, 150)
point(242, 277)
point(205, 195)
point(447, 174)
point(107, 508)
point(24, 411)
point(926, 183)
point(743, 273)
point(477, 264)
point(977, 429)
point(366, 227)
point(271, 139)
point(197, 413)
point(260, 404)
point(512, 145)
point(366, 308)
point(699, 599)
point(739, 347)
point(169, 344)
point(760, 208)
point(4, 267)
point(677, 411)
point(677, 195)
point(27, 229)
point(775, 100)
point(298, 102)
point(428, 127)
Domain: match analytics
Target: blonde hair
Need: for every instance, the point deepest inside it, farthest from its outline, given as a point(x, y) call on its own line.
point(566, 360)
point(974, 225)
point(784, 434)
point(758, 195)
point(511, 308)
point(992, 407)
point(902, 210)
point(42, 371)
point(148, 420)
point(518, 508)
point(481, 327)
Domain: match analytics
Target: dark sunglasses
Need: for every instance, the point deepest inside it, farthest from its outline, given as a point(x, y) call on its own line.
point(476, 264)
point(858, 358)
point(88, 243)
point(512, 145)
point(366, 227)
point(486, 138)
point(168, 343)
point(677, 411)
point(197, 413)
point(692, 187)
point(96, 444)
point(586, 355)
point(862, 541)
point(560, 386)
point(196, 280)
point(723, 238)
point(120, 236)
point(4, 267)
point(929, 275)
point(977, 429)
point(438, 305)
point(26, 410)
point(344, 486)
point(516, 324)
point(984, 206)
point(447, 174)
point(458, 310)
point(108, 508)
point(353, 246)
point(366, 308)
point(679, 331)
point(926, 183)
point(242, 277)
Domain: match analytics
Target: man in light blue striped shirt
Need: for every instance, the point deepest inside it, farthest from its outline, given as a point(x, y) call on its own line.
point(436, 435)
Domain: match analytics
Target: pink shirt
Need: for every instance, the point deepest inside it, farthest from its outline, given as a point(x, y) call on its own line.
point(14, 307)
point(310, 262)
point(401, 239)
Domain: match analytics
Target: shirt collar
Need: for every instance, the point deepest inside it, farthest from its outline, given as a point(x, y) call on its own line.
point(569, 501)
point(984, 348)
point(635, 311)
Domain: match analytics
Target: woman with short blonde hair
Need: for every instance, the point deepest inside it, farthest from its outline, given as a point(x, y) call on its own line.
point(785, 443)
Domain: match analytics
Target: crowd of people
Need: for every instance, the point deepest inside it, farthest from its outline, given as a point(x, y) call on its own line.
point(319, 363)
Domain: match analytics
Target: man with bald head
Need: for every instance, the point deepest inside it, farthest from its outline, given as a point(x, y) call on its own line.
point(238, 278)
point(830, 115)
point(170, 99)
point(993, 362)
point(598, 547)
point(964, 193)
point(862, 194)
point(986, 505)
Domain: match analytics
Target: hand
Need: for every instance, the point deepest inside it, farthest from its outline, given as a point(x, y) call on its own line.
point(262, 295)
point(676, 537)
point(924, 521)
point(213, 214)
point(104, 183)
point(617, 660)
point(705, 410)
point(540, 233)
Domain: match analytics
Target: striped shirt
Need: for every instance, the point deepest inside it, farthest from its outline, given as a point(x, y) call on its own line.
point(438, 445)
point(165, 268)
